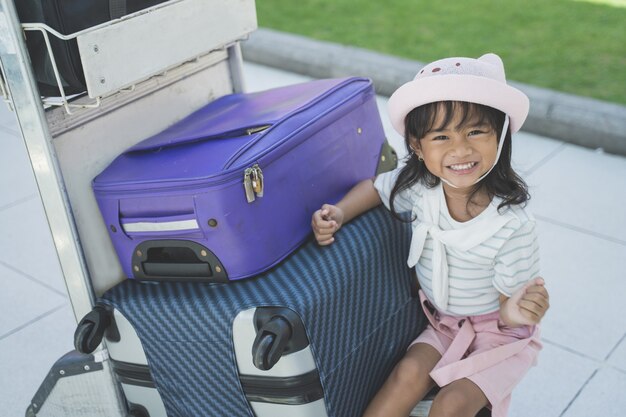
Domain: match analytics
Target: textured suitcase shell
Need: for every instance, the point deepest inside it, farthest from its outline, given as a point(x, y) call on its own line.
point(357, 302)
point(185, 186)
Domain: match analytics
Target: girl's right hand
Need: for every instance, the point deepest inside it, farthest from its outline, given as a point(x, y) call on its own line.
point(527, 306)
point(326, 221)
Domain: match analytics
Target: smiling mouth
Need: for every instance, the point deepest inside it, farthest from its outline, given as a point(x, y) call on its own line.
point(463, 167)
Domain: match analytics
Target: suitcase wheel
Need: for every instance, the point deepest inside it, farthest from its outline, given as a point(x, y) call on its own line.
point(270, 343)
point(279, 331)
point(137, 410)
point(90, 330)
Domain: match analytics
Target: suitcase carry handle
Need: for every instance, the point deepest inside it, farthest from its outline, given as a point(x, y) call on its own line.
point(167, 260)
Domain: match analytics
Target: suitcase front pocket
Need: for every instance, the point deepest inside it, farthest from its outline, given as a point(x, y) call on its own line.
point(164, 260)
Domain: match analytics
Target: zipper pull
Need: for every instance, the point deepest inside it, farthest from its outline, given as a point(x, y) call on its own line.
point(257, 182)
point(247, 185)
point(257, 129)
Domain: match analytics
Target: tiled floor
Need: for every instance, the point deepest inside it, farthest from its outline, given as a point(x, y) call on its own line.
point(578, 199)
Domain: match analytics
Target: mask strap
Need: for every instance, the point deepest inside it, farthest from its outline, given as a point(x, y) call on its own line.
point(505, 128)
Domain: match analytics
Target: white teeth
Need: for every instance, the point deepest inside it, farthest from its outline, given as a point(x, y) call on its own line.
point(460, 167)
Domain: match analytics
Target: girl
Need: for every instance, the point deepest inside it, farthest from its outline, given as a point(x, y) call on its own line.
point(473, 246)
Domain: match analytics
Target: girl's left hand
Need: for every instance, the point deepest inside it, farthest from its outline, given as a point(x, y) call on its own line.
point(527, 306)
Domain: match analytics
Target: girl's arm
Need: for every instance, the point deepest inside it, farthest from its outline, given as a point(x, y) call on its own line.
point(515, 264)
point(361, 198)
point(327, 220)
point(526, 306)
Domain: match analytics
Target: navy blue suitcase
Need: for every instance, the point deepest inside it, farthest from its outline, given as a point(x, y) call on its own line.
point(315, 336)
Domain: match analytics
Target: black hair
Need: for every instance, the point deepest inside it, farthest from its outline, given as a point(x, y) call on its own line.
point(502, 181)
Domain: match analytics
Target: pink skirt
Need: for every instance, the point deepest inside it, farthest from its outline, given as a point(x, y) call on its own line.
point(482, 349)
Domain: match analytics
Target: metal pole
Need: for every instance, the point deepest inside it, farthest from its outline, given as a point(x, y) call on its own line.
point(34, 127)
point(235, 61)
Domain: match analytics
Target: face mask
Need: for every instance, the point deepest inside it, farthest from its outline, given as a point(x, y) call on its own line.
point(505, 127)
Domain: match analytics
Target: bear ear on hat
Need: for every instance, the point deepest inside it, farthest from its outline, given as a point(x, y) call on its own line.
point(492, 59)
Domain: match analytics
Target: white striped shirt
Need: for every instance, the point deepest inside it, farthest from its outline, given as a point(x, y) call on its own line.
point(500, 264)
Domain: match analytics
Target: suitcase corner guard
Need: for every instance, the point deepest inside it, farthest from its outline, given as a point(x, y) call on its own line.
point(165, 260)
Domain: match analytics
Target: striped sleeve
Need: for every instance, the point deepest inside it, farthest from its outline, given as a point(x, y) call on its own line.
point(384, 184)
point(517, 260)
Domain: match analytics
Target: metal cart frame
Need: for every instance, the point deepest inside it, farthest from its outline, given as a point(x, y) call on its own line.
point(127, 100)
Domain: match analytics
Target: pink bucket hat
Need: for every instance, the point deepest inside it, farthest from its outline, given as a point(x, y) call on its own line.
point(479, 81)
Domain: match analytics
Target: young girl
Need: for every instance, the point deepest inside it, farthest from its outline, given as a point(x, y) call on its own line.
point(473, 246)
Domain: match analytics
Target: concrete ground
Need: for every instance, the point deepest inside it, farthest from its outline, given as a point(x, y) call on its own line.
point(578, 198)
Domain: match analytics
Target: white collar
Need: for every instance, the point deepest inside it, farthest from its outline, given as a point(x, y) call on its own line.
point(472, 234)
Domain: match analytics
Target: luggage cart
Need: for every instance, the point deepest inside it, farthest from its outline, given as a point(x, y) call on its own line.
point(70, 139)
point(140, 79)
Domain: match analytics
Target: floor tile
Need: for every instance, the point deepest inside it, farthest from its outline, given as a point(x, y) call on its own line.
point(258, 77)
point(603, 396)
point(27, 244)
point(8, 119)
point(9, 129)
point(583, 188)
point(14, 159)
point(22, 300)
point(531, 151)
point(550, 386)
point(27, 355)
point(585, 277)
point(618, 356)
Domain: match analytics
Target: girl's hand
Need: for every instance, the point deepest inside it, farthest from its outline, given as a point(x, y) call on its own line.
point(527, 306)
point(326, 221)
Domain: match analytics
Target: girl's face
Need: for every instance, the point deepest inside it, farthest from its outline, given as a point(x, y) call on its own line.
point(459, 152)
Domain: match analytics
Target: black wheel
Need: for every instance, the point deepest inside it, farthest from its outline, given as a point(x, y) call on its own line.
point(90, 329)
point(82, 337)
point(138, 412)
point(260, 357)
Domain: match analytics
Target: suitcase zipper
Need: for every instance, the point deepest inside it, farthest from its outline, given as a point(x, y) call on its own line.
point(229, 172)
point(234, 158)
point(175, 185)
point(253, 182)
point(257, 129)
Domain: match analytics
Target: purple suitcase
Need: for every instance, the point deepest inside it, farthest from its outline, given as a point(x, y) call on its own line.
point(228, 192)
